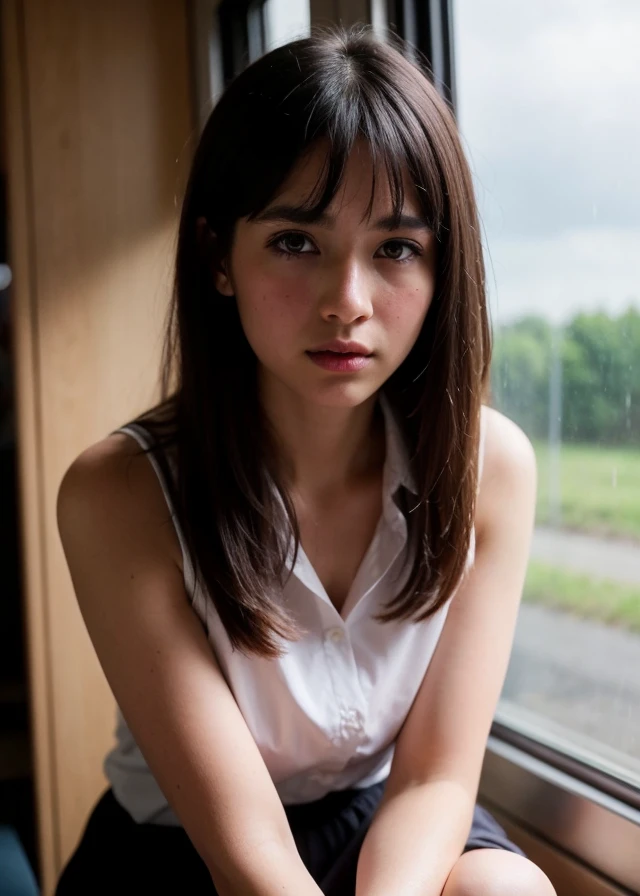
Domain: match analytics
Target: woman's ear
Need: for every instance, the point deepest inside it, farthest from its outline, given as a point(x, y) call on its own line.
point(207, 241)
point(222, 280)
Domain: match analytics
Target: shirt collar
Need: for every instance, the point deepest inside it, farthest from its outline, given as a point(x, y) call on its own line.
point(397, 470)
point(391, 534)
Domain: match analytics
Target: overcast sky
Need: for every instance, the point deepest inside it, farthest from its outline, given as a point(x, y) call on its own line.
point(549, 108)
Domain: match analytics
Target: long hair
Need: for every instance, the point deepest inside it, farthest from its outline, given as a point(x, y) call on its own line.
point(338, 85)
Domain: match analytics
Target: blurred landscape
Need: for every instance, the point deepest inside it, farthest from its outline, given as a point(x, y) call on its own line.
point(588, 454)
point(592, 361)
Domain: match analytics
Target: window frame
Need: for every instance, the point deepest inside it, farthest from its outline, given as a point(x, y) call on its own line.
point(530, 786)
point(206, 47)
point(242, 34)
point(428, 26)
point(347, 12)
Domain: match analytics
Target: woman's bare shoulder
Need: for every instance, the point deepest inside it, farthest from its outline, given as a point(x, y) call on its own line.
point(105, 457)
point(112, 483)
point(509, 465)
point(504, 439)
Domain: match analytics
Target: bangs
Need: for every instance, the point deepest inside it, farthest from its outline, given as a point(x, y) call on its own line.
point(338, 107)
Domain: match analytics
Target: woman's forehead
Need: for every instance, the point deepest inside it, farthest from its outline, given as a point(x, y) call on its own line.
point(363, 185)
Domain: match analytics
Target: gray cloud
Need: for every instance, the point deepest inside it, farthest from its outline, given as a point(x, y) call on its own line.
point(548, 108)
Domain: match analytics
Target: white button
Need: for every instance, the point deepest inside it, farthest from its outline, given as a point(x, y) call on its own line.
point(336, 635)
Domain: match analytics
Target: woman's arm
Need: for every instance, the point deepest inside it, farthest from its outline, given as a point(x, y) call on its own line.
point(421, 825)
point(124, 559)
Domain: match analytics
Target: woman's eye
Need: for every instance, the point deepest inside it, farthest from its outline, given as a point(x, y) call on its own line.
point(293, 243)
point(395, 248)
point(290, 244)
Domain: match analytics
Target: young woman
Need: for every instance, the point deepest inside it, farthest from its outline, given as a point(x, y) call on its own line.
point(303, 589)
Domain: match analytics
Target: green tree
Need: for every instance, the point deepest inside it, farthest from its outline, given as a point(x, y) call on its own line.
point(601, 375)
point(520, 373)
point(600, 357)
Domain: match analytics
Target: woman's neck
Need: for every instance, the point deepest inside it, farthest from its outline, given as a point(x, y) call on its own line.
point(325, 449)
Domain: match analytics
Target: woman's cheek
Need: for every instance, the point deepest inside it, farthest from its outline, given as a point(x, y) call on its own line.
point(403, 318)
point(288, 298)
point(271, 312)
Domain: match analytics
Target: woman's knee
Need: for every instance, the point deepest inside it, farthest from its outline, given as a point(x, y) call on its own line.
point(496, 872)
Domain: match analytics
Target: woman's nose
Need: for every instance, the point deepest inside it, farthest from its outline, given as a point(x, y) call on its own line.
point(346, 294)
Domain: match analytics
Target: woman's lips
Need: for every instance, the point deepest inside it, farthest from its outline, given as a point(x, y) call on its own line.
point(340, 362)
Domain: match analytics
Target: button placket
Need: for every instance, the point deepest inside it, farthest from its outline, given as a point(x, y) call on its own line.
point(349, 727)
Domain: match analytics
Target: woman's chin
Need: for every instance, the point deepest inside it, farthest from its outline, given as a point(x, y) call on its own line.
point(341, 395)
point(333, 391)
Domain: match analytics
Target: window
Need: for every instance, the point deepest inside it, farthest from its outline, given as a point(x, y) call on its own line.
point(249, 28)
point(286, 20)
point(547, 105)
point(242, 34)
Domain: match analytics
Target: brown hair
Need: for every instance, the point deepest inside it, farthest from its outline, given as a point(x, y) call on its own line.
point(239, 522)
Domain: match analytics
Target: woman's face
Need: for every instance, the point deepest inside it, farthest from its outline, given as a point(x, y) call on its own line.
point(302, 286)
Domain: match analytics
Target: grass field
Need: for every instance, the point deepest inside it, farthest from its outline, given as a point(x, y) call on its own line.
point(609, 602)
point(600, 489)
point(600, 495)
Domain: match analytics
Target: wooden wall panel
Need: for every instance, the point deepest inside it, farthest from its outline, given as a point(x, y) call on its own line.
point(106, 116)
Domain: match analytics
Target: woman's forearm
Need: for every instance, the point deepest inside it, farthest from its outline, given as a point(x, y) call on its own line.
point(267, 870)
point(415, 839)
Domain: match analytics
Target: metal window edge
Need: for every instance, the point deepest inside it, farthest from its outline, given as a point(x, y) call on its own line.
point(206, 44)
point(598, 829)
point(607, 770)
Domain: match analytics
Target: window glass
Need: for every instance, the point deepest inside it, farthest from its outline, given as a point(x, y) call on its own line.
point(547, 101)
point(285, 20)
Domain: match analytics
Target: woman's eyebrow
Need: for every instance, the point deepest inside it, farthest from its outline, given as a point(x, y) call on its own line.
point(294, 214)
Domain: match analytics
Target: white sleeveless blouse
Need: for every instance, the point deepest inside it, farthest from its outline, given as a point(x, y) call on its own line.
point(326, 714)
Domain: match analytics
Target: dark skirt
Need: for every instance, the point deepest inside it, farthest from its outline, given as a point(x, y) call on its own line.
point(118, 856)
